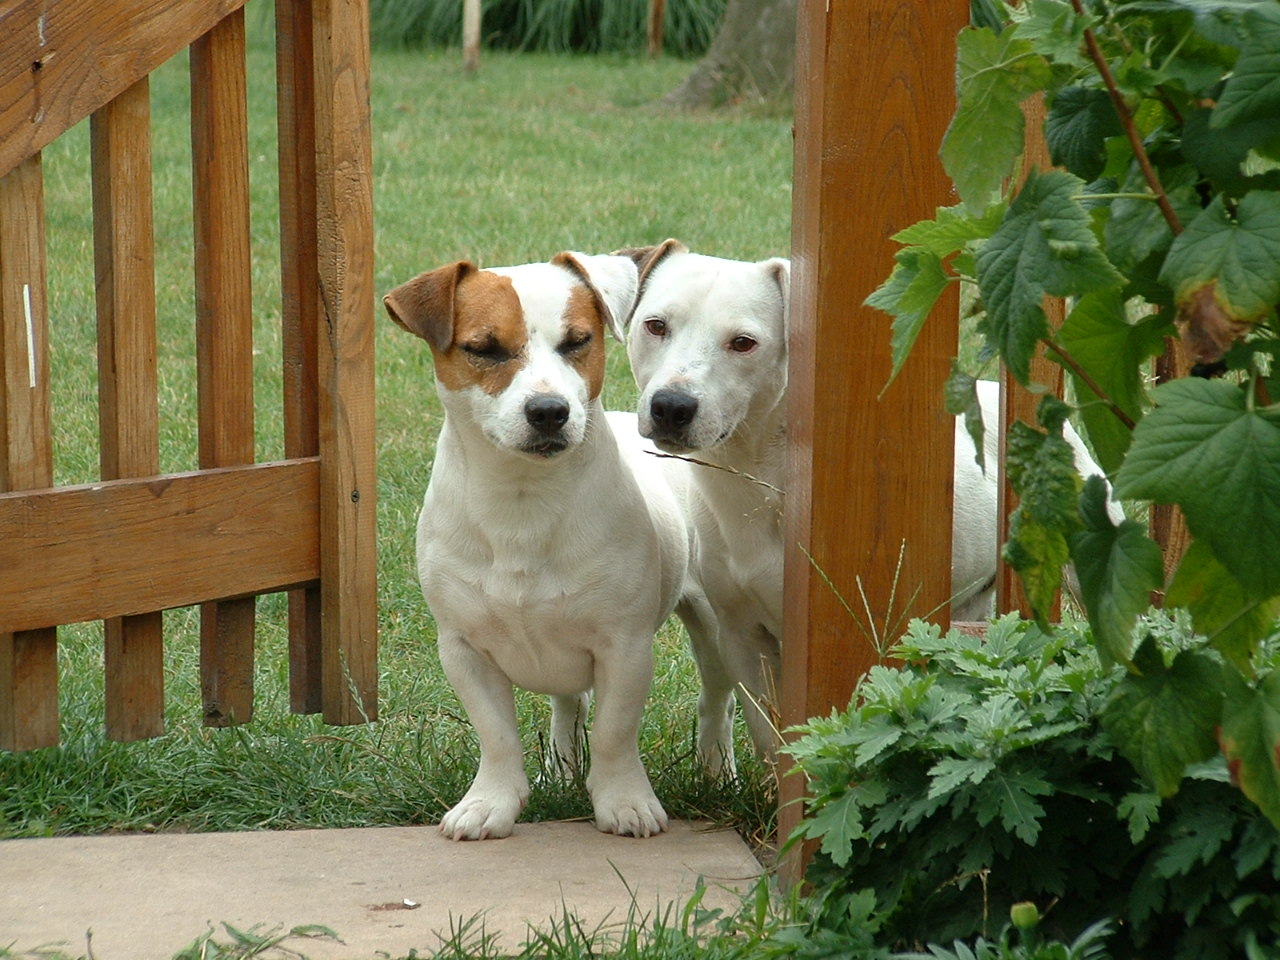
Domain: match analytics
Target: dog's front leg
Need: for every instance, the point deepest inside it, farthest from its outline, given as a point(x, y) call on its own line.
point(621, 794)
point(500, 788)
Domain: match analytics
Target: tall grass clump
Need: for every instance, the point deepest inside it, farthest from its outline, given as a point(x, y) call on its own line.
point(549, 26)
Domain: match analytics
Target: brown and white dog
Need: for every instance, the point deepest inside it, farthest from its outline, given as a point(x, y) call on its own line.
point(707, 342)
point(550, 547)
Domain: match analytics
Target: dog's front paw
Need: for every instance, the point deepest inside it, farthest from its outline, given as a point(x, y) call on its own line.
point(637, 814)
point(483, 815)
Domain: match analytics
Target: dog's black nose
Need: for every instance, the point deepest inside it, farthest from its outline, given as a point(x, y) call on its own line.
point(672, 410)
point(546, 413)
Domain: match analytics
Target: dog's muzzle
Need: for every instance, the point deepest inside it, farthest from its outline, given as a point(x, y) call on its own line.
point(671, 412)
point(547, 414)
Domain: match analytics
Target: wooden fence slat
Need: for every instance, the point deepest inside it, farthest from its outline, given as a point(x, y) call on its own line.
point(866, 475)
point(123, 547)
point(348, 488)
point(28, 658)
point(224, 330)
point(300, 307)
point(59, 62)
point(124, 255)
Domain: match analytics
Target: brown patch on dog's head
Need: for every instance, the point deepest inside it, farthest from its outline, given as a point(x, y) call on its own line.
point(471, 318)
point(582, 345)
point(647, 259)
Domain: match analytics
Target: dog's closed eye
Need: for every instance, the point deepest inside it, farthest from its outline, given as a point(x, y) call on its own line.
point(490, 351)
point(574, 341)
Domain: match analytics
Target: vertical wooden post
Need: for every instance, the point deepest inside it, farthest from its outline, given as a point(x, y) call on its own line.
point(348, 490)
point(471, 15)
point(869, 481)
point(29, 658)
point(124, 257)
point(224, 331)
point(300, 307)
point(657, 26)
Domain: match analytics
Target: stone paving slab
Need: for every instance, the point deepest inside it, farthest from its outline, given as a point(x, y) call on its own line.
point(147, 896)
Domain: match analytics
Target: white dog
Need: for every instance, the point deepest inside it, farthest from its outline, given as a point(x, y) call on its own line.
point(550, 548)
point(708, 347)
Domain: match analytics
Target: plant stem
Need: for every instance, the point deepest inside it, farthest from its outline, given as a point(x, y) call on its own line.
point(1073, 365)
point(1130, 128)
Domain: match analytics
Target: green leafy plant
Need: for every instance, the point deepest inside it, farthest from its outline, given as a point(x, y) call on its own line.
point(982, 776)
point(1161, 222)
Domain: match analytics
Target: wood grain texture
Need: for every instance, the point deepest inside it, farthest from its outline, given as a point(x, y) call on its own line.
point(224, 329)
point(300, 307)
point(124, 547)
point(59, 62)
point(28, 658)
point(128, 419)
point(348, 491)
point(874, 95)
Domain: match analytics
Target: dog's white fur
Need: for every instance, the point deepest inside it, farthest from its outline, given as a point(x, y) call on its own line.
point(708, 347)
point(549, 555)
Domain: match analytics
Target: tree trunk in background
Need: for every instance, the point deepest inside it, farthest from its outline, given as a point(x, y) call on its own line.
point(752, 55)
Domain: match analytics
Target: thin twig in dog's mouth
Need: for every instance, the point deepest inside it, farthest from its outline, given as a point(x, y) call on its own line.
point(715, 466)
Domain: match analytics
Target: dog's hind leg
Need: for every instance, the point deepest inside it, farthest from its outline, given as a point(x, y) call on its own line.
point(500, 789)
point(568, 731)
point(715, 698)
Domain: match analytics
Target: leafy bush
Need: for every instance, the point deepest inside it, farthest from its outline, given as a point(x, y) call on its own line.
point(551, 26)
point(1162, 223)
point(980, 776)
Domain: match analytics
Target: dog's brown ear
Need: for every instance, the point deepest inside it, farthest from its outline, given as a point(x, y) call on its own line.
point(424, 305)
point(611, 278)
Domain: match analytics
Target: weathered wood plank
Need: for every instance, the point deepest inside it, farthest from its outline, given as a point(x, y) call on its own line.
point(867, 476)
point(28, 659)
point(344, 206)
point(59, 62)
point(123, 547)
point(224, 329)
point(300, 307)
point(124, 257)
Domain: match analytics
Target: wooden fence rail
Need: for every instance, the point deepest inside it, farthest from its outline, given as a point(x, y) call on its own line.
point(138, 542)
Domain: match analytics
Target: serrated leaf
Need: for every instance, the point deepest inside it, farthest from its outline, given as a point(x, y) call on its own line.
point(1251, 740)
point(909, 296)
point(950, 230)
point(1118, 568)
point(1220, 607)
point(1141, 810)
point(1252, 91)
point(1237, 258)
point(961, 392)
point(1045, 245)
point(1203, 449)
point(1197, 842)
point(949, 773)
point(994, 74)
point(839, 825)
point(1099, 337)
point(1056, 30)
point(1137, 227)
point(1220, 155)
point(1164, 718)
point(1076, 129)
point(1011, 796)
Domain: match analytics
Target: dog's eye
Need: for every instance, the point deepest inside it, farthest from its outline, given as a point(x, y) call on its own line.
point(489, 350)
point(656, 327)
point(573, 343)
point(742, 344)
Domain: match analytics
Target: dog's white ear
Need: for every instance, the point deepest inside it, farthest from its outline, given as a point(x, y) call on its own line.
point(780, 269)
point(424, 305)
point(612, 281)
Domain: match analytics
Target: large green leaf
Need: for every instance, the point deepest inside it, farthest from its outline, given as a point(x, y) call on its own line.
point(909, 295)
point(1205, 450)
point(994, 74)
point(1251, 740)
point(1137, 228)
point(1113, 351)
point(1220, 607)
point(1055, 28)
point(1045, 245)
point(1252, 91)
point(1118, 568)
point(1076, 129)
point(1237, 259)
point(1163, 718)
point(950, 229)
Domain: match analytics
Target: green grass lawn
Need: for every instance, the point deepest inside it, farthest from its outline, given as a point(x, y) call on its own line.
point(534, 155)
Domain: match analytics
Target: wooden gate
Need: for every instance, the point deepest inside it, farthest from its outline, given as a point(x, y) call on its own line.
point(139, 542)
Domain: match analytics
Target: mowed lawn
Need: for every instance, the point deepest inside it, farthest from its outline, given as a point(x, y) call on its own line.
point(534, 155)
